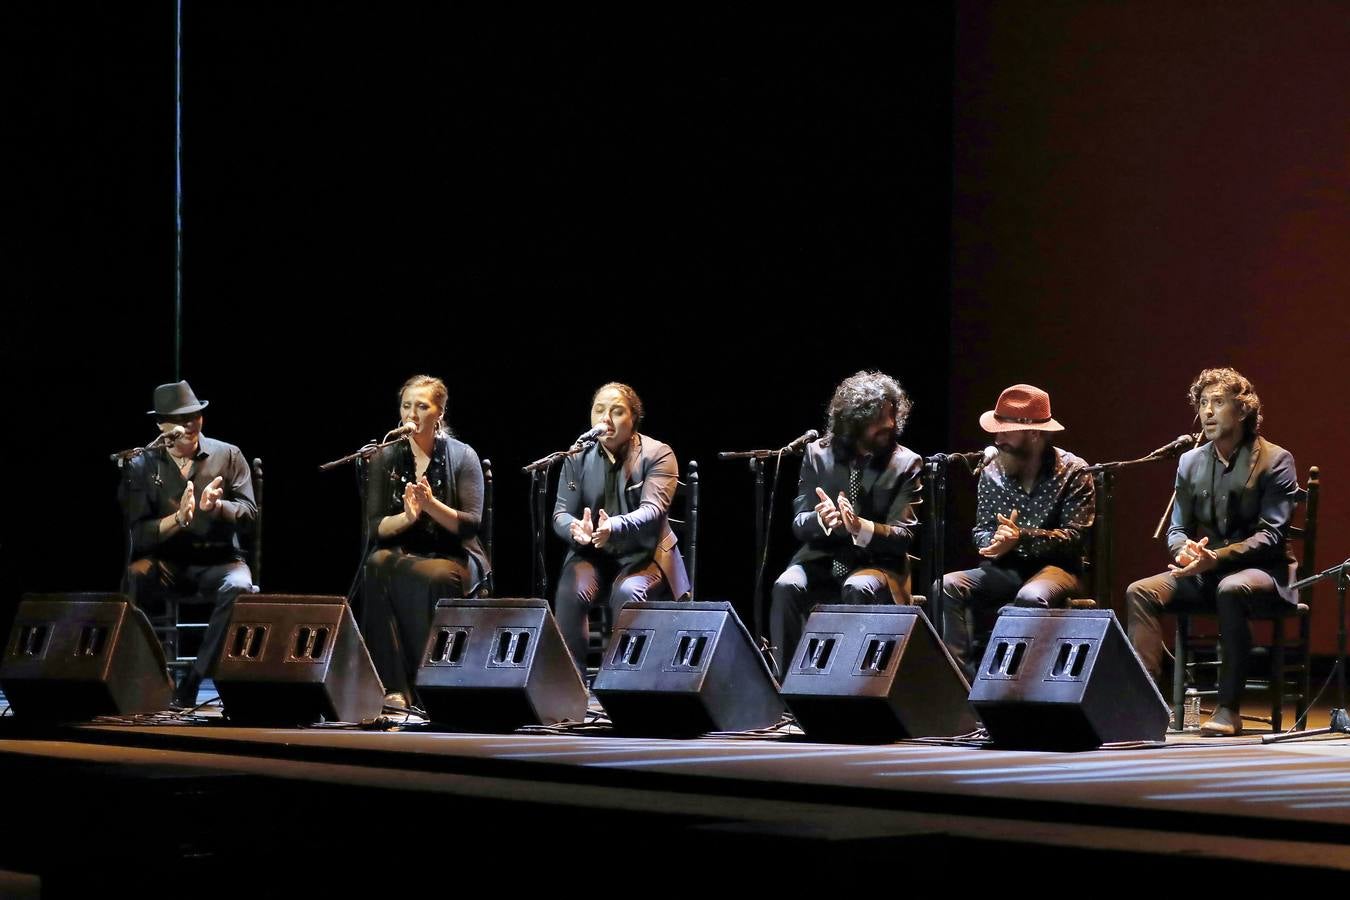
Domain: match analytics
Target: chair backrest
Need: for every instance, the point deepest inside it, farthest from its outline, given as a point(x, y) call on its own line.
point(1098, 565)
point(252, 539)
point(485, 524)
point(1307, 532)
point(683, 518)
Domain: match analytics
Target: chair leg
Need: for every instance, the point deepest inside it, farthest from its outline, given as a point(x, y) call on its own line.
point(1304, 681)
point(171, 612)
point(1277, 677)
point(1179, 674)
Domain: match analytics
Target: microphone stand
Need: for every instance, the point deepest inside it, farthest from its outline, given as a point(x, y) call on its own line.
point(538, 472)
point(123, 458)
point(364, 453)
point(1340, 720)
point(361, 458)
point(935, 473)
point(763, 519)
point(1103, 537)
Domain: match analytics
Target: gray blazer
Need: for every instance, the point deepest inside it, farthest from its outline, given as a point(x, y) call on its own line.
point(1246, 522)
point(639, 529)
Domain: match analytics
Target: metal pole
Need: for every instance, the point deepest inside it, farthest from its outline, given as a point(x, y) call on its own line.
point(178, 191)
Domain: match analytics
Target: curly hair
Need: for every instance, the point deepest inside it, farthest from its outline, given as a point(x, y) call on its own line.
point(1233, 381)
point(857, 402)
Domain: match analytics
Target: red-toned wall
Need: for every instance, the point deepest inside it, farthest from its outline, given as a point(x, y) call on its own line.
point(1142, 190)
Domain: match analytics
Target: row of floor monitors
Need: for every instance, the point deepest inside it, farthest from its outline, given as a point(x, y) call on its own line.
point(1055, 679)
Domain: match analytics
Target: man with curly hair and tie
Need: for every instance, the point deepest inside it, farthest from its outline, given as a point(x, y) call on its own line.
point(1235, 496)
point(854, 511)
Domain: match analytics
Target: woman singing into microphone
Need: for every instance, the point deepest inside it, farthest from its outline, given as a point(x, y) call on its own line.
point(424, 504)
point(611, 510)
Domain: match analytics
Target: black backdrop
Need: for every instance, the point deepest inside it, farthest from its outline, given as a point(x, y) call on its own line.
point(729, 211)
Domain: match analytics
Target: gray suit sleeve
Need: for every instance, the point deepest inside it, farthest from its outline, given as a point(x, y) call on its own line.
point(895, 535)
point(567, 504)
point(659, 481)
point(805, 523)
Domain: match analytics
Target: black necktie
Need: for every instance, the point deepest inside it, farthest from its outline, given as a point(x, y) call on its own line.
point(840, 568)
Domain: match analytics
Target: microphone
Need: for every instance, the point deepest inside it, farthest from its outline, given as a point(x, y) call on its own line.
point(802, 441)
point(594, 434)
point(173, 434)
point(405, 428)
point(1181, 444)
point(990, 454)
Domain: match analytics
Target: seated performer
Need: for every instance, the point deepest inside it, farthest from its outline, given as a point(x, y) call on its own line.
point(611, 509)
point(424, 504)
point(1234, 499)
point(1035, 506)
point(854, 511)
point(185, 505)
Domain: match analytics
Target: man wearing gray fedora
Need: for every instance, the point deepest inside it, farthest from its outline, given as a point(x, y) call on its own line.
point(185, 504)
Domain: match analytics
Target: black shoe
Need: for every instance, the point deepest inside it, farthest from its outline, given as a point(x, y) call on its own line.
point(185, 697)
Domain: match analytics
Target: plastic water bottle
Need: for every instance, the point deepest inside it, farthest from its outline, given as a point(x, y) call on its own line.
point(1191, 720)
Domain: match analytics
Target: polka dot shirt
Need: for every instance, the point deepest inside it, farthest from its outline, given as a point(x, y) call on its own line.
point(1062, 500)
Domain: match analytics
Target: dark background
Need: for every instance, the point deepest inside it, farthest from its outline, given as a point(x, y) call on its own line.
point(729, 210)
point(730, 213)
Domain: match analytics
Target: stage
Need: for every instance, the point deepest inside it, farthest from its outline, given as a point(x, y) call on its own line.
point(218, 806)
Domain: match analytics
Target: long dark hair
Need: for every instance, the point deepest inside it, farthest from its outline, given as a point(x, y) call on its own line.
point(857, 402)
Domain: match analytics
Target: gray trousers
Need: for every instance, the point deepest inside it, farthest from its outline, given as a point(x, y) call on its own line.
point(150, 581)
point(584, 580)
point(1234, 597)
point(972, 599)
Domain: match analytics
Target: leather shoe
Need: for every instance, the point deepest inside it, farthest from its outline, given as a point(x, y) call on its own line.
point(1224, 723)
point(185, 695)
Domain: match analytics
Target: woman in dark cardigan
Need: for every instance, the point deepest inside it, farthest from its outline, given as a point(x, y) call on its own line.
point(424, 505)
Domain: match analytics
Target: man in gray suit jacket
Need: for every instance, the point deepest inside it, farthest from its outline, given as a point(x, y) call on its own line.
point(854, 511)
point(611, 509)
point(1235, 496)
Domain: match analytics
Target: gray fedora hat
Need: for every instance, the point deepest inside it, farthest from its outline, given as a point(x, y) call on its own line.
point(176, 400)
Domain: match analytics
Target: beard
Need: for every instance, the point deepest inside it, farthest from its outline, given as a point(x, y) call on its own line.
point(883, 443)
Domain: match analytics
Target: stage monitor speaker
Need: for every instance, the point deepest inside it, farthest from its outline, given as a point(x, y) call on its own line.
point(685, 668)
point(71, 657)
point(1065, 679)
point(295, 659)
point(497, 664)
point(875, 673)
